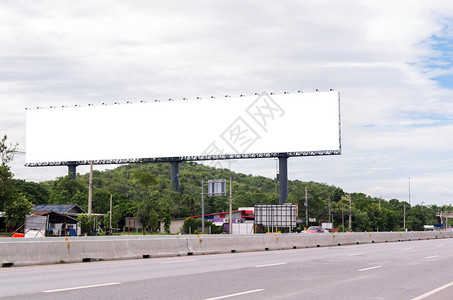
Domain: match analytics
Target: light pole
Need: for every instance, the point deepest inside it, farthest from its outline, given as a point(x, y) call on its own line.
point(350, 211)
point(202, 206)
point(306, 206)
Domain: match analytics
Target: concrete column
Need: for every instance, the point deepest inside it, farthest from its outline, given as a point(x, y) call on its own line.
point(175, 176)
point(283, 177)
point(72, 170)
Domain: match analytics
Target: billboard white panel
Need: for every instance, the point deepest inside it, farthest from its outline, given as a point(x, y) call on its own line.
point(203, 127)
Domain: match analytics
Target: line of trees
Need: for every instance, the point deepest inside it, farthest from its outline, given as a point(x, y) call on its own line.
point(144, 191)
point(14, 201)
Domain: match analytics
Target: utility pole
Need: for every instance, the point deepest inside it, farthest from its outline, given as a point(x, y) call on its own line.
point(306, 206)
point(110, 223)
point(231, 207)
point(404, 222)
point(342, 216)
point(404, 217)
point(409, 191)
point(350, 213)
point(330, 221)
point(90, 188)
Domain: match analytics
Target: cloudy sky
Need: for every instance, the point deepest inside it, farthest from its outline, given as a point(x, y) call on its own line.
point(392, 62)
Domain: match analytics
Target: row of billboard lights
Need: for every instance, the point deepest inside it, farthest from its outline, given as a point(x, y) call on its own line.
point(143, 101)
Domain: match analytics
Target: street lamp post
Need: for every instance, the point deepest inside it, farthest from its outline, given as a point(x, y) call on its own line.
point(202, 206)
point(350, 211)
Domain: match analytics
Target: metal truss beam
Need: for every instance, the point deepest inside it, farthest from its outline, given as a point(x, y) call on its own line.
point(184, 158)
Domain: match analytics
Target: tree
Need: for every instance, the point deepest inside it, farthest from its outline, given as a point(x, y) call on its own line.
point(166, 217)
point(66, 190)
point(35, 192)
point(87, 223)
point(416, 218)
point(145, 178)
point(15, 204)
point(16, 211)
point(147, 215)
point(7, 190)
point(146, 211)
point(191, 225)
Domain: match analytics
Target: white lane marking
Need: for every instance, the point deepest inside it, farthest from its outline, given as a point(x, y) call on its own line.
point(236, 294)
point(177, 262)
point(433, 291)
point(370, 268)
point(270, 265)
point(82, 287)
point(356, 254)
point(406, 249)
point(432, 256)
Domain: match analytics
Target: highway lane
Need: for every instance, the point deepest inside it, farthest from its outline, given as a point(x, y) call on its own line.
point(404, 270)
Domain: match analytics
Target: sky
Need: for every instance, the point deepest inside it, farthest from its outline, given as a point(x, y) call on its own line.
point(391, 61)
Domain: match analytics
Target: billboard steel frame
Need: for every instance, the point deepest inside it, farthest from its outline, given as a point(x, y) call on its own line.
point(184, 158)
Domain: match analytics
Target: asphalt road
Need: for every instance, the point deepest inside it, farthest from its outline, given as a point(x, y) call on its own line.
point(405, 270)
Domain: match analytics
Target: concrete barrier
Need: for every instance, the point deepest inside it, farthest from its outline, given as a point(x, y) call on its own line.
point(21, 252)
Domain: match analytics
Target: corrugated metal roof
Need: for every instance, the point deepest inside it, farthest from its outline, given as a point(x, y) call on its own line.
point(59, 208)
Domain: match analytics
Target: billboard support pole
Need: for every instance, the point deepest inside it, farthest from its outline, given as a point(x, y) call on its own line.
point(283, 177)
point(175, 175)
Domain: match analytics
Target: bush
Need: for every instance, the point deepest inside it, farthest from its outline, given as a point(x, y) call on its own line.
point(191, 225)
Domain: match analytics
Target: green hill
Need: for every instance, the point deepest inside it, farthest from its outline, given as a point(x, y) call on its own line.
point(129, 197)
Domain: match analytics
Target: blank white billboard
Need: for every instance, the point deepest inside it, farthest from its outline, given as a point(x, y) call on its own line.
point(204, 127)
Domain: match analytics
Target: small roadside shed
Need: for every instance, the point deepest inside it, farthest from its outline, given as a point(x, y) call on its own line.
point(49, 223)
point(53, 220)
